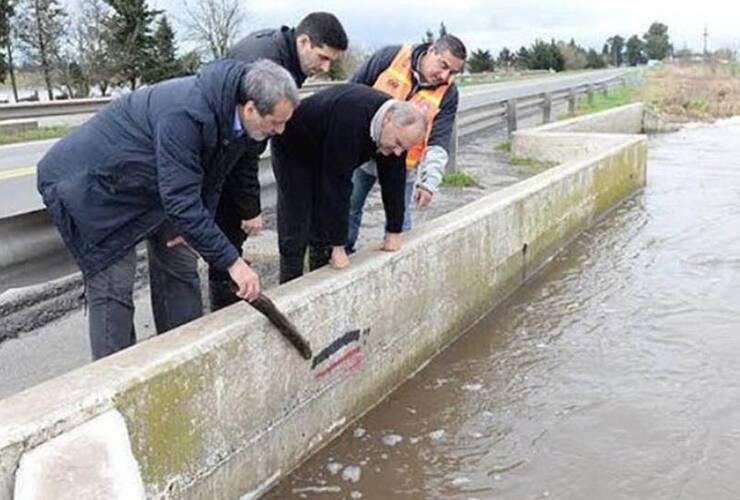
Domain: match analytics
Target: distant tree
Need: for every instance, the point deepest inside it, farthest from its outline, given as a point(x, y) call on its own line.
point(594, 60)
point(574, 55)
point(480, 61)
point(684, 53)
point(544, 55)
point(41, 28)
point(605, 51)
point(635, 51)
point(345, 66)
point(725, 54)
point(428, 37)
point(522, 58)
point(93, 30)
point(8, 46)
point(213, 23)
point(164, 55)
point(505, 58)
point(131, 40)
point(190, 63)
point(6, 13)
point(657, 42)
point(616, 50)
point(74, 81)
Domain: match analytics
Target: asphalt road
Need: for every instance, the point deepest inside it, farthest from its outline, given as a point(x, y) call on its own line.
point(17, 161)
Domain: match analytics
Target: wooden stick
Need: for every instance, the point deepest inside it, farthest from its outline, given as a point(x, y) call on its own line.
point(264, 305)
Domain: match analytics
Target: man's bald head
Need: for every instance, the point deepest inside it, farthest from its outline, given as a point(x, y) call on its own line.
point(404, 125)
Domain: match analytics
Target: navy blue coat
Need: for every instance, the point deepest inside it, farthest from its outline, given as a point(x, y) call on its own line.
point(160, 153)
point(241, 197)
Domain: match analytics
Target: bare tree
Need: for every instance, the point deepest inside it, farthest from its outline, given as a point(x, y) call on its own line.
point(40, 29)
point(214, 23)
point(93, 39)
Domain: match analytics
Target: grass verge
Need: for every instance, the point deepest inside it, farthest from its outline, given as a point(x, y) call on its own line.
point(38, 134)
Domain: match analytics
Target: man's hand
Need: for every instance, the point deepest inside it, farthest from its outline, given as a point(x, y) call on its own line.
point(422, 197)
point(247, 281)
point(253, 226)
point(391, 242)
point(339, 259)
point(179, 240)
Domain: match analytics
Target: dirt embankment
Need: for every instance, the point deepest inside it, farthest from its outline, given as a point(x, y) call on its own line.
point(701, 92)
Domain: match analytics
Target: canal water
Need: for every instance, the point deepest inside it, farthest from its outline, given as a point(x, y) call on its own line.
point(614, 374)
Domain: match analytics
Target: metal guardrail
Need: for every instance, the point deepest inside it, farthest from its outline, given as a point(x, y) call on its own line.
point(26, 231)
point(25, 110)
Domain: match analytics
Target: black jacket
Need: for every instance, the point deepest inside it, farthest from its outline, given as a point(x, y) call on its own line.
point(330, 135)
point(159, 153)
point(242, 191)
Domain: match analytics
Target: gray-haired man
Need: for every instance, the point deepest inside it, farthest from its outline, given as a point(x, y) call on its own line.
point(151, 166)
point(332, 133)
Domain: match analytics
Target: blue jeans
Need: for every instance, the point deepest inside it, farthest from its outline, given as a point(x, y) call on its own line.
point(362, 184)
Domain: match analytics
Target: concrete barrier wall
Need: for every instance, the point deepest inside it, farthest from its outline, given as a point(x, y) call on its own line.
point(223, 407)
point(564, 139)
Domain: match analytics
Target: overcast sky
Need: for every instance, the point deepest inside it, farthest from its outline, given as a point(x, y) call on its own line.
point(493, 25)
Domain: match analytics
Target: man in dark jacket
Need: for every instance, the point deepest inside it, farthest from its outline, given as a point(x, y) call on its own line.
point(332, 133)
point(431, 68)
point(150, 166)
point(304, 51)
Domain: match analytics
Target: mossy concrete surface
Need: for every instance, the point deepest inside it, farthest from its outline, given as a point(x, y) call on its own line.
point(224, 406)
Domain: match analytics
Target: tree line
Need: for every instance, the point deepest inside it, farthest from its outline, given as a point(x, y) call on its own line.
point(561, 55)
point(108, 43)
point(112, 43)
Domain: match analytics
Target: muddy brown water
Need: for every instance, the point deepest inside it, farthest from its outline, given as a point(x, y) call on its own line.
point(614, 374)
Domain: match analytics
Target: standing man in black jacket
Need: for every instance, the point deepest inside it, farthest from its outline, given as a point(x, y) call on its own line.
point(331, 134)
point(150, 166)
point(304, 51)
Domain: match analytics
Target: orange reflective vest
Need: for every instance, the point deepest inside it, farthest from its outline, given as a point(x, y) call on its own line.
point(397, 80)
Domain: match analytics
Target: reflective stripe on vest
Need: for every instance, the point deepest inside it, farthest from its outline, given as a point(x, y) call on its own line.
point(397, 80)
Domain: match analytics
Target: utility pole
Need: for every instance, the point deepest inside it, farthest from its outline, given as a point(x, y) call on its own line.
point(706, 36)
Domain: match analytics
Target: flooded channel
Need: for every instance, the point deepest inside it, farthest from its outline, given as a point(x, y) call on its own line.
point(614, 374)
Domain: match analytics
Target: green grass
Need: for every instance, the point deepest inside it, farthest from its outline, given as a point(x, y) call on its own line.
point(458, 179)
point(617, 96)
point(503, 146)
point(38, 134)
point(531, 165)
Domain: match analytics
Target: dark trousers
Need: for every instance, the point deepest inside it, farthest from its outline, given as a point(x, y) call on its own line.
point(175, 294)
point(299, 224)
point(219, 282)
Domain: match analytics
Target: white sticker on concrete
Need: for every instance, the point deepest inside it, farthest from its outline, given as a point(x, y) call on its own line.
point(92, 461)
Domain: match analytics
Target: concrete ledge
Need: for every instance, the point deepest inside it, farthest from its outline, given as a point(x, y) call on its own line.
point(223, 407)
point(90, 462)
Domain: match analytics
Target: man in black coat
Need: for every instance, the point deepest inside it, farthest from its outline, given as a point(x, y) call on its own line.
point(304, 51)
point(332, 133)
point(150, 166)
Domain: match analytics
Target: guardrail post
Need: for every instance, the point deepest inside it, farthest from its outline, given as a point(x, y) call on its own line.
point(546, 107)
point(590, 93)
point(511, 117)
point(452, 158)
point(571, 101)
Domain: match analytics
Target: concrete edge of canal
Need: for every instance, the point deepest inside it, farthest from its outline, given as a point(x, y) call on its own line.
point(223, 407)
